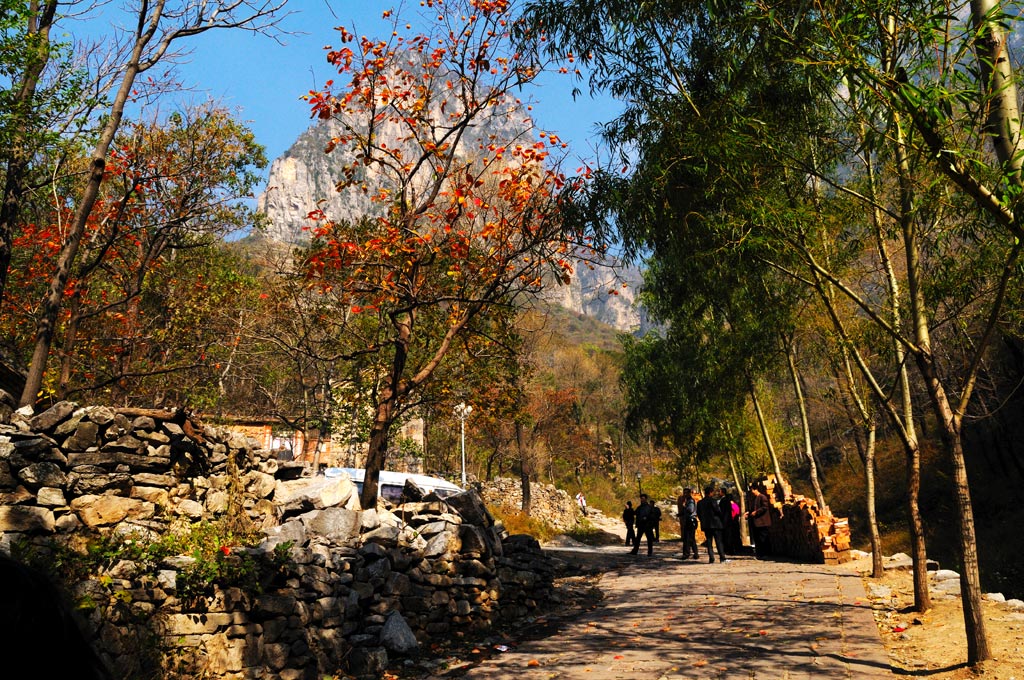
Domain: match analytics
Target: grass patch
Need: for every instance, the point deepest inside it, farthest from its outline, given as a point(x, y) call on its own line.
point(518, 522)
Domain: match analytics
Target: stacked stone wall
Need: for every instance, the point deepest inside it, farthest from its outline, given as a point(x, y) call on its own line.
point(354, 588)
point(547, 503)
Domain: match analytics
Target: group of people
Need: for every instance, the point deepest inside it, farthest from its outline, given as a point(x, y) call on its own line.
point(643, 521)
point(718, 515)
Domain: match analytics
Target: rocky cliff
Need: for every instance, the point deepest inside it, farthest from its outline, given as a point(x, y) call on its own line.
point(304, 177)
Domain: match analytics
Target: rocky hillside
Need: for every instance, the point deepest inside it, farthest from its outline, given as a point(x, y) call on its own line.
point(303, 178)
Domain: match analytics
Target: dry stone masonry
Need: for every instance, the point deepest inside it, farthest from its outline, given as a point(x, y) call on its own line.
point(337, 588)
point(548, 504)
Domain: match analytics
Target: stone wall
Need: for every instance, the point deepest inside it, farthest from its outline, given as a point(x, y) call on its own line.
point(547, 503)
point(356, 588)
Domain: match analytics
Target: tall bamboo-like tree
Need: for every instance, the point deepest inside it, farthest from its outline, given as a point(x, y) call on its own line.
point(942, 101)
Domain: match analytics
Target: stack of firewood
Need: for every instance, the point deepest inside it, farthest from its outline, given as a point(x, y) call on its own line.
point(800, 530)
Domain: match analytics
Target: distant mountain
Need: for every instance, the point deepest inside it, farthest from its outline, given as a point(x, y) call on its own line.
point(304, 177)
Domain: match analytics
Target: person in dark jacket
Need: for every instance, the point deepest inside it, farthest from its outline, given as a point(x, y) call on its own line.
point(687, 508)
point(761, 516)
point(628, 518)
point(731, 523)
point(710, 517)
point(644, 525)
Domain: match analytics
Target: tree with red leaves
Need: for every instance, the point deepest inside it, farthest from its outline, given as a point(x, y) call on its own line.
point(467, 197)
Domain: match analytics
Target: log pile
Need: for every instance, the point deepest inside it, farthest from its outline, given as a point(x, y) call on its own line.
point(801, 531)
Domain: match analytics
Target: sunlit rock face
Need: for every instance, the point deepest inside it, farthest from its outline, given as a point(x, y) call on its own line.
point(304, 179)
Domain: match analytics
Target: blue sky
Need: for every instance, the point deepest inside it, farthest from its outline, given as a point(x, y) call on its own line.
point(266, 80)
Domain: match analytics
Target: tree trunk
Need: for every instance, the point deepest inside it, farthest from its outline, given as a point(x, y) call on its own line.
point(877, 569)
point(742, 500)
point(764, 430)
point(970, 575)
point(524, 468)
point(50, 309)
point(806, 426)
point(377, 453)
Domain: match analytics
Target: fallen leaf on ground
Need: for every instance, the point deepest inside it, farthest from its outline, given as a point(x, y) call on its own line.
point(533, 662)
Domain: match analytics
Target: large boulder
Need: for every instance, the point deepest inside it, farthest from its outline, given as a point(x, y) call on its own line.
point(302, 495)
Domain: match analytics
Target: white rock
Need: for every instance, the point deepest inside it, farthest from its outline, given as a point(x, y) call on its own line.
point(945, 575)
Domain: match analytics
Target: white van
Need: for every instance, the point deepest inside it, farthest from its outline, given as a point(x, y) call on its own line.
point(390, 484)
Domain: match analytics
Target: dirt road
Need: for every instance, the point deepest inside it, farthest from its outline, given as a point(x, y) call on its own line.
point(663, 617)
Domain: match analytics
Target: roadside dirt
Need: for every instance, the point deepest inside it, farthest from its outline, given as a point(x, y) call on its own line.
point(934, 644)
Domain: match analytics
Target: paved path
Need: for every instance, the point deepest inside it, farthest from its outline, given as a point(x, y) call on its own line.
point(666, 618)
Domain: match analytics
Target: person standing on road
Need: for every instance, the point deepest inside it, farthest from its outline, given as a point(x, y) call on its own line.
point(710, 516)
point(731, 522)
point(656, 521)
point(628, 518)
point(761, 516)
point(687, 508)
point(644, 525)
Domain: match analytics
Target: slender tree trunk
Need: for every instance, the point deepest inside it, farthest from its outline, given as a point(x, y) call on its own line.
point(999, 85)
point(970, 575)
point(524, 467)
point(806, 426)
point(46, 325)
point(742, 500)
point(911, 444)
point(877, 569)
point(949, 431)
point(764, 430)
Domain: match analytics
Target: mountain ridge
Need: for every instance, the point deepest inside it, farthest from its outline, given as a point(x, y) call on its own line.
point(303, 179)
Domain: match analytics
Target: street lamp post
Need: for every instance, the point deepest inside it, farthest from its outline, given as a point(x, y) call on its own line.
point(462, 410)
point(639, 488)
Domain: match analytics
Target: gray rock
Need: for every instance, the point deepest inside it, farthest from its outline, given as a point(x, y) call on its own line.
point(334, 522)
point(471, 508)
point(53, 416)
point(70, 425)
point(397, 636)
point(26, 519)
point(38, 475)
point(101, 415)
point(302, 495)
point(293, 531)
point(945, 575)
point(441, 544)
point(995, 597)
point(384, 535)
point(473, 539)
point(86, 435)
point(879, 592)
point(50, 497)
point(369, 520)
point(189, 508)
